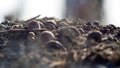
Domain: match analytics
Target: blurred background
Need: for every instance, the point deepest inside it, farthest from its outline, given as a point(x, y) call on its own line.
point(106, 11)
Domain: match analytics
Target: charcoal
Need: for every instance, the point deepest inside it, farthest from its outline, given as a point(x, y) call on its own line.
point(96, 35)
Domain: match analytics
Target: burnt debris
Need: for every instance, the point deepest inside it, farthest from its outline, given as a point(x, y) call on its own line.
point(58, 43)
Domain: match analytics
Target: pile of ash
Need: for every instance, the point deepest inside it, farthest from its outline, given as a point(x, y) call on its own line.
point(59, 43)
